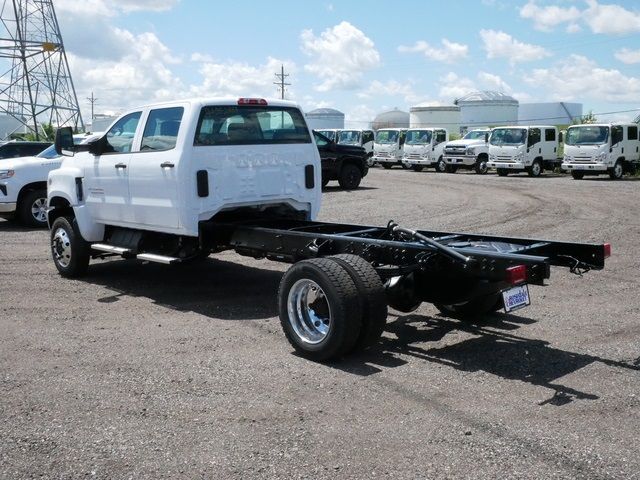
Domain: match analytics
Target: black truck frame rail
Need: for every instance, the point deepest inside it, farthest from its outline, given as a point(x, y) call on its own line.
point(394, 250)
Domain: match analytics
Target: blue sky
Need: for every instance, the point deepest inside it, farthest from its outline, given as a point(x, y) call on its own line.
point(361, 57)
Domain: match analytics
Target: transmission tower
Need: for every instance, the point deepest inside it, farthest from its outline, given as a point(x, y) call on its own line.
point(36, 86)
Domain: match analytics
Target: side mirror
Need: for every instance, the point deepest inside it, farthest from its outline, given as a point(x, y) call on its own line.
point(486, 138)
point(64, 142)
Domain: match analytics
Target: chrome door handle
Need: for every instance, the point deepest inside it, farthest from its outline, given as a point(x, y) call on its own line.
point(167, 165)
point(120, 165)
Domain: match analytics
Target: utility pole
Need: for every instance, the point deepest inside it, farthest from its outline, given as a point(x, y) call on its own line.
point(281, 83)
point(92, 100)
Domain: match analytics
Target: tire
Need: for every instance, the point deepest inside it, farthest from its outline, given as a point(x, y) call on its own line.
point(536, 169)
point(319, 309)
point(441, 166)
point(386, 166)
point(373, 303)
point(417, 168)
point(502, 172)
point(452, 168)
point(32, 209)
point(481, 167)
point(404, 166)
point(350, 176)
point(577, 175)
point(617, 172)
point(69, 250)
point(472, 309)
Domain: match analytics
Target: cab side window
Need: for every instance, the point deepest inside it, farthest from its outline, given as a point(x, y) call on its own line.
point(633, 133)
point(549, 135)
point(441, 136)
point(161, 130)
point(120, 136)
point(534, 136)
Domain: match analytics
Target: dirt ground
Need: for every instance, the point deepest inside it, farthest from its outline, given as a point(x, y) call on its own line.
point(150, 371)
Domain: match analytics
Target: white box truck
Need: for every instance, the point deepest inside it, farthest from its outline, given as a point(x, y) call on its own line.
point(388, 147)
point(424, 147)
point(597, 149)
point(530, 149)
point(362, 138)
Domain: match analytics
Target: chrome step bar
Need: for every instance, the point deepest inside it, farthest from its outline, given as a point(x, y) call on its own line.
point(152, 257)
point(127, 252)
point(103, 247)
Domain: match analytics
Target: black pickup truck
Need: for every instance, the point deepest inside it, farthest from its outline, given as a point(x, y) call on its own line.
point(345, 163)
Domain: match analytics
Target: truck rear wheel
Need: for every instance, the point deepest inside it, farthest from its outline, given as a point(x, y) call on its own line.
point(350, 176)
point(319, 309)
point(32, 209)
point(617, 171)
point(372, 298)
point(472, 309)
point(70, 251)
point(577, 175)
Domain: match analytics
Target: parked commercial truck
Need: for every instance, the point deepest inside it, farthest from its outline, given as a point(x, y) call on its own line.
point(361, 138)
point(530, 149)
point(388, 147)
point(597, 149)
point(470, 152)
point(175, 182)
point(424, 147)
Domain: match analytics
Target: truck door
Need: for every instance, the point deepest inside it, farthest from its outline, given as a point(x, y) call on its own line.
point(617, 143)
point(153, 171)
point(107, 178)
point(550, 144)
point(534, 146)
point(440, 140)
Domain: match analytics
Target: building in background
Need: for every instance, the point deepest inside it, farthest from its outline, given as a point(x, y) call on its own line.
point(322, 118)
point(549, 113)
point(445, 116)
point(11, 126)
point(391, 119)
point(487, 109)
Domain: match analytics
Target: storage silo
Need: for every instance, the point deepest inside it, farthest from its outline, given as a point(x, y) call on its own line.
point(391, 119)
point(549, 113)
point(487, 109)
point(445, 116)
point(322, 118)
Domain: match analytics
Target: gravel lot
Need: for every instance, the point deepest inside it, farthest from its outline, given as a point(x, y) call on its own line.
point(158, 372)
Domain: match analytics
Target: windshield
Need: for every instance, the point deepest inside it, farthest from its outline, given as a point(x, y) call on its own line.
point(49, 152)
point(330, 134)
point(387, 136)
point(508, 136)
point(475, 135)
point(418, 137)
point(349, 137)
point(587, 135)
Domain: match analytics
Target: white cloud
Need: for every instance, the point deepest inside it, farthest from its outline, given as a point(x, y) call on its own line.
point(611, 19)
point(390, 88)
point(452, 86)
point(490, 81)
point(628, 56)
point(578, 78)
point(449, 53)
point(201, 57)
point(546, 18)
point(499, 44)
point(340, 56)
point(360, 116)
point(112, 7)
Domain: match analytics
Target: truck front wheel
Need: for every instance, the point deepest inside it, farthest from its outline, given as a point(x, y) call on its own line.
point(481, 166)
point(33, 208)
point(441, 166)
point(70, 251)
point(320, 309)
point(617, 171)
point(502, 172)
point(577, 175)
point(350, 176)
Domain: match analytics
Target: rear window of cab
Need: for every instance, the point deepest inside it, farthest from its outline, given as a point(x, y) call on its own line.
point(250, 125)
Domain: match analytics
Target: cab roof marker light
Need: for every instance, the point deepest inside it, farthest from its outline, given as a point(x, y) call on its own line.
point(252, 101)
point(517, 274)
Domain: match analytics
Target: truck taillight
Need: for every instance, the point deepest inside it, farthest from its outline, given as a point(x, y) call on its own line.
point(607, 250)
point(517, 274)
point(252, 101)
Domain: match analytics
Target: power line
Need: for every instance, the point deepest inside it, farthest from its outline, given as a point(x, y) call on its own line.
point(281, 84)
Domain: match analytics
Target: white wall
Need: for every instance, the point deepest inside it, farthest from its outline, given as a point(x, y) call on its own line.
point(551, 113)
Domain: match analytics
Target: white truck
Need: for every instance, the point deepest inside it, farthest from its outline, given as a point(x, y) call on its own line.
point(530, 149)
point(330, 133)
point(388, 147)
point(469, 152)
point(23, 185)
point(597, 149)
point(424, 147)
point(174, 182)
point(362, 138)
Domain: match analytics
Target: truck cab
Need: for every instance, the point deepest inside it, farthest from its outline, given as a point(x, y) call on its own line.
point(330, 133)
point(530, 149)
point(169, 168)
point(470, 152)
point(596, 149)
point(361, 138)
point(424, 147)
point(388, 147)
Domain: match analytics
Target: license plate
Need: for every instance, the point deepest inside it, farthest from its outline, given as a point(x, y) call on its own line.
point(516, 298)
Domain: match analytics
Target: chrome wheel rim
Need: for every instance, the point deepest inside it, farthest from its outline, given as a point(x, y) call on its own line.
point(39, 210)
point(61, 247)
point(441, 166)
point(482, 168)
point(535, 168)
point(617, 170)
point(309, 311)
